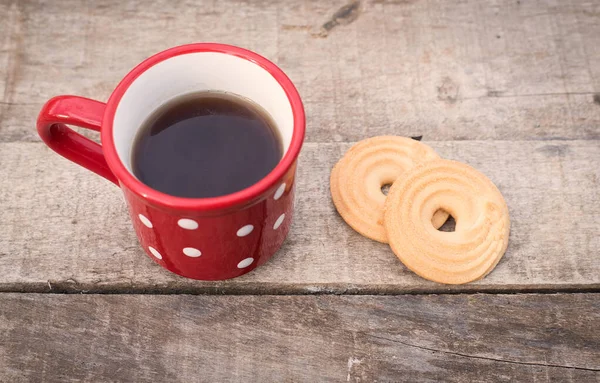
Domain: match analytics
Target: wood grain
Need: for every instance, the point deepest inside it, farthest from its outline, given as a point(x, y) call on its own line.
point(64, 228)
point(511, 88)
point(455, 338)
point(448, 70)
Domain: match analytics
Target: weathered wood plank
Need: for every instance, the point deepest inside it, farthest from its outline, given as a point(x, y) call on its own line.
point(63, 227)
point(448, 70)
point(455, 338)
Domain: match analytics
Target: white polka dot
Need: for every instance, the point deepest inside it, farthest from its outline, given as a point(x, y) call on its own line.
point(145, 221)
point(155, 252)
point(191, 252)
point(188, 224)
point(279, 192)
point(279, 221)
point(244, 231)
point(245, 263)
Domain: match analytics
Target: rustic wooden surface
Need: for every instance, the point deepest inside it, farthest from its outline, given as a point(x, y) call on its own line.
point(450, 70)
point(510, 87)
point(143, 338)
point(74, 234)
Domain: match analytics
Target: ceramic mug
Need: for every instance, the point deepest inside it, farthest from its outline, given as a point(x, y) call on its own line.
point(201, 238)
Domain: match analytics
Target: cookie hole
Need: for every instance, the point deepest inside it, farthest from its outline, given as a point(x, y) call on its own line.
point(448, 226)
point(385, 189)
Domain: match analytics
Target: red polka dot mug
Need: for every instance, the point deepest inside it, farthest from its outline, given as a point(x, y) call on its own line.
point(202, 238)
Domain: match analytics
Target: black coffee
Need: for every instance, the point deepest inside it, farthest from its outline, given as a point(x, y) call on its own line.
point(206, 144)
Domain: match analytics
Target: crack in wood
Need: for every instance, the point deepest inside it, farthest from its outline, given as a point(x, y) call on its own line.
point(124, 250)
point(15, 47)
point(10, 103)
point(482, 357)
point(343, 16)
point(500, 94)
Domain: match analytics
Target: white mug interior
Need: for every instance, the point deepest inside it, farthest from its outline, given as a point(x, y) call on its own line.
point(194, 72)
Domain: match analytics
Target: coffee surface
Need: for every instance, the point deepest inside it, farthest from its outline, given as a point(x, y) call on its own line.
point(206, 144)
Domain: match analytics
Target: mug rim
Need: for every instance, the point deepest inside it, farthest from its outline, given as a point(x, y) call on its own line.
point(243, 196)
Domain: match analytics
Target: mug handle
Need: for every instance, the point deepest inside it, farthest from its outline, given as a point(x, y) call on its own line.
point(81, 112)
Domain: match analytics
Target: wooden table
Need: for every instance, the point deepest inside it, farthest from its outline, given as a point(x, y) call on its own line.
point(509, 87)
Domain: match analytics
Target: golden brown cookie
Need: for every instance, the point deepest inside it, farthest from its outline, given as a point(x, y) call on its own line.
point(356, 180)
point(482, 222)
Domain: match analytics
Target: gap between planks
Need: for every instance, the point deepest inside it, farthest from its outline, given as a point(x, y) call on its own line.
point(287, 289)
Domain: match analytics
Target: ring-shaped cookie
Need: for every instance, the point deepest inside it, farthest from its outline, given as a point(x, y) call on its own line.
point(482, 222)
point(356, 180)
